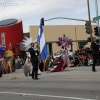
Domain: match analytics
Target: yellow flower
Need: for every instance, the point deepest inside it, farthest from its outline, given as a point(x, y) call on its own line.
point(8, 53)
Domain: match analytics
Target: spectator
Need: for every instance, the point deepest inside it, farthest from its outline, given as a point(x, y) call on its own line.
point(71, 53)
point(71, 61)
point(76, 61)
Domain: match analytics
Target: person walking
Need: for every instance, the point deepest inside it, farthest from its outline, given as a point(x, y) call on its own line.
point(95, 53)
point(34, 60)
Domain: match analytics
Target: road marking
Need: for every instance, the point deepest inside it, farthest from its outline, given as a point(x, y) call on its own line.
point(50, 96)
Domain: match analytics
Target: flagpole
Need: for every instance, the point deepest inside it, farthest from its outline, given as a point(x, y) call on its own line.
point(41, 41)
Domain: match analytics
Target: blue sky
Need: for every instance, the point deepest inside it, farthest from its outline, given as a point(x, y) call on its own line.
point(31, 11)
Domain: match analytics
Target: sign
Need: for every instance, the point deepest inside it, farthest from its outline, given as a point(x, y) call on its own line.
point(96, 18)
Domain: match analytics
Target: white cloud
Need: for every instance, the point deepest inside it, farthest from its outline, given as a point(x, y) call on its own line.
point(30, 10)
point(81, 6)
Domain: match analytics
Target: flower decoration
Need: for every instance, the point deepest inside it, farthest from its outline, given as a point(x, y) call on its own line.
point(27, 43)
point(64, 41)
point(8, 54)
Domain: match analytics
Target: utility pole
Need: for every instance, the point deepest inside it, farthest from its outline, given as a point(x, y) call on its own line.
point(89, 20)
point(96, 6)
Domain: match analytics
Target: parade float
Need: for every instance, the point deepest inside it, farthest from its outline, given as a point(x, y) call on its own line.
point(6, 61)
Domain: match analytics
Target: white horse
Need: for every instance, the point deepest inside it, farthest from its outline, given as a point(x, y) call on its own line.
point(28, 66)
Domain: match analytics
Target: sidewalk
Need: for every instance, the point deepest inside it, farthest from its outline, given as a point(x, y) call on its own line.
point(79, 73)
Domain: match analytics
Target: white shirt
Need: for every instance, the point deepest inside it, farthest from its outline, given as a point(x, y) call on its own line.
point(96, 43)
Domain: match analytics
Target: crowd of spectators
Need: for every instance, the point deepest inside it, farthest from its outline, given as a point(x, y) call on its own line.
point(82, 57)
point(19, 62)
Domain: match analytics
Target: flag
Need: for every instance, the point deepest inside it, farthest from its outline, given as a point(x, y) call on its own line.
point(41, 41)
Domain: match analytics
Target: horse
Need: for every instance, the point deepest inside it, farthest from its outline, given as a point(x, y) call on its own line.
point(46, 63)
point(5, 68)
point(10, 64)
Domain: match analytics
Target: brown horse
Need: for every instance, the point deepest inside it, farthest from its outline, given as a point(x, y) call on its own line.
point(46, 63)
point(5, 69)
point(8, 66)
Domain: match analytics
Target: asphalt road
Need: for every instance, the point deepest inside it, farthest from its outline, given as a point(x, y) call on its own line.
point(78, 84)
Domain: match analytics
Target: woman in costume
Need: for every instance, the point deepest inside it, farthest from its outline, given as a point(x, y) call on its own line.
point(64, 43)
point(28, 66)
point(65, 58)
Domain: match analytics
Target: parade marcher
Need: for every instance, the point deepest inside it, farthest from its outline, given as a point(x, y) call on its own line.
point(65, 58)
point(95, 53)
point(27, 42)
point(34, 60)
point(65, 62)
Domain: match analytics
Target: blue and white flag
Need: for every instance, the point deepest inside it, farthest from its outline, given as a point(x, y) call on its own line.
point(41, 41)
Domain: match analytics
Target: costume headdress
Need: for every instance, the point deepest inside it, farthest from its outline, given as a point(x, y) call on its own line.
point(8, 53)
point(27, 43)
point(64, 41)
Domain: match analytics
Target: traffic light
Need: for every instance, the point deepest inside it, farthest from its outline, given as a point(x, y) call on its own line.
point(87, 27)
point(42, 21)
point(96, 31)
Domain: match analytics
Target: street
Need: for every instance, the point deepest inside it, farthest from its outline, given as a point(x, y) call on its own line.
point(77, 84)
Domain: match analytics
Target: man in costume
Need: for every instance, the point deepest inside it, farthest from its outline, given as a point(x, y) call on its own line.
point(28, 65)
point(34, 60)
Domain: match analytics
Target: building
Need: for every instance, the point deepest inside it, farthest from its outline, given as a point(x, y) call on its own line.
point(75, 32)
point(11, 34)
